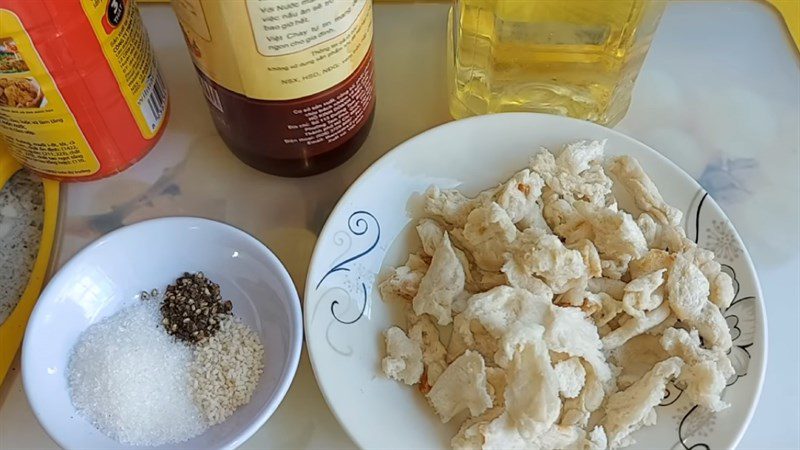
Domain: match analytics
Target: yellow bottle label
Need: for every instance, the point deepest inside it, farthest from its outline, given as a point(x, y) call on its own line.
point(36, 125)
point(277, 50)
point(125, 44)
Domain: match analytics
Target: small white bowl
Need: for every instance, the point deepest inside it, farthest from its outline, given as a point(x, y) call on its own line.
point(109, 274)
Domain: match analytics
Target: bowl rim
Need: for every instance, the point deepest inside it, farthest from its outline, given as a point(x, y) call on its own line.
point(389, 156)
point(295, 345)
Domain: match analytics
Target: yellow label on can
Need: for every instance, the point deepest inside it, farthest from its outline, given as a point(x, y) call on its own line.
point(36, 125)
point(123, 38)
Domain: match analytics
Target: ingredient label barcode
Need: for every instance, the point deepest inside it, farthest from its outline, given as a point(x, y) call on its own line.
point(211, 95)
point(153, 101)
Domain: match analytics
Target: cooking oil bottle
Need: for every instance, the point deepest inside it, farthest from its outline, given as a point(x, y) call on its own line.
point(577, 58)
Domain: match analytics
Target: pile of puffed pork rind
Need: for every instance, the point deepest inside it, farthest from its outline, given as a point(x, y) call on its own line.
point(567, 316)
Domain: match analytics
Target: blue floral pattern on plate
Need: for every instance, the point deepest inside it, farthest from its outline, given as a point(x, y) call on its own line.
point(695, 423)
point(362, 226)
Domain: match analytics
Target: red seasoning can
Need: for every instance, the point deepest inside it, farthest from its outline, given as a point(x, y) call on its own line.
point(81, 96)
point(289, 82)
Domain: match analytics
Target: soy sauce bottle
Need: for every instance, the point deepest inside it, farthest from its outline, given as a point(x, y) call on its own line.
point(289, 83)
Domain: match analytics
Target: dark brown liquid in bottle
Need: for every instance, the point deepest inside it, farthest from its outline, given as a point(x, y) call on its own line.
point(297, 137)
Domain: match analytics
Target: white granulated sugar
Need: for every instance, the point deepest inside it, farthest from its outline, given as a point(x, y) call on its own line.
point(226, 370)
point(131, 379)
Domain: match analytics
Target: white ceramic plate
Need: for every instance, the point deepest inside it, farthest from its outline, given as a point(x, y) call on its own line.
point(109, 274)
point(371, 228)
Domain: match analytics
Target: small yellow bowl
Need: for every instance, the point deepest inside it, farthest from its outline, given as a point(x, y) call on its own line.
point(12, 330)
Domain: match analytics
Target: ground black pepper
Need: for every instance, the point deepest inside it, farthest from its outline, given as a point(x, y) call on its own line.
point(192, 308)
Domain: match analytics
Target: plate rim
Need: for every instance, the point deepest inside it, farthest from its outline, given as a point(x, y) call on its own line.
point(499, 117)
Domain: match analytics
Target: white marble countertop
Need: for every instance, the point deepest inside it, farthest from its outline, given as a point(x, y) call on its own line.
point(719, 94)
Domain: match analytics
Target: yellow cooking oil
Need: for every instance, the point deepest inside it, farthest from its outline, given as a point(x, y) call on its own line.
point(576, 58)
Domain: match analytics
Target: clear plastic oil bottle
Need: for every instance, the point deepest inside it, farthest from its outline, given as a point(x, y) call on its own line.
point(578, 58)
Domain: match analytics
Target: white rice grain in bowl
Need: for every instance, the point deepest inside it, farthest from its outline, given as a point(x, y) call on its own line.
point(98, 283)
